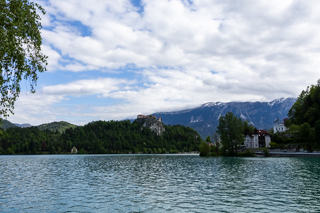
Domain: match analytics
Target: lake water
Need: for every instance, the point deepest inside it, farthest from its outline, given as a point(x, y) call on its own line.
point(158, 183)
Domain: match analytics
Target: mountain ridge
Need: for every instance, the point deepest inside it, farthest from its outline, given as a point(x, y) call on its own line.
point(205, 118)
point(24, 125)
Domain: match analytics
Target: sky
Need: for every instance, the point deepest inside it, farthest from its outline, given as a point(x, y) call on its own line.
point(115, 59)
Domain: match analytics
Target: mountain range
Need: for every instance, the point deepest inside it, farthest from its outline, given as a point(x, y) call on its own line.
point(205, 118)
point(60, 126)
point(23, 125)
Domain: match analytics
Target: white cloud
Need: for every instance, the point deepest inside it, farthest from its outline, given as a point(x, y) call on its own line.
point(185, 53)
point(87, 87)
point(35, 108)
point(53, 57)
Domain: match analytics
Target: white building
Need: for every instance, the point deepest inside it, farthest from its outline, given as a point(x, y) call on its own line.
point(279, 128)
point(257, 139)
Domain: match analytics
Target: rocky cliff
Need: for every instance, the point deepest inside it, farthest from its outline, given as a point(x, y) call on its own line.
point(151, 122)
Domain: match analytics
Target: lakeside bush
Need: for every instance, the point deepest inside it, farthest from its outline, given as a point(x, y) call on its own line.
point(266, 152)
point(247, 153)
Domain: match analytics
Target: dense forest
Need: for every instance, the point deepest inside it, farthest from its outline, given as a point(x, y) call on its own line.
point(99, 137)
point(303, 123)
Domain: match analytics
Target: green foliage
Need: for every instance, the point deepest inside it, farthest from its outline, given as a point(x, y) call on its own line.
point(266, 152)
point(215, 138)
point(57, 126)
point(100, 138)
point(293, 129)
point(208, 139)
point(306, 136)
point(247, 127)
point(317, 134)
point(307, 107)
point(204, 149)
point(274, 145)
point(247, 153)
point(52, 150)
point(20, 49)
point(304, 118)
point(305, 131)
point(28, 140)
point(231, 132)
point(213, 154)
point(280, 138)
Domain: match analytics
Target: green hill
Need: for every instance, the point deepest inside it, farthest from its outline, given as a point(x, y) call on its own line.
point(103, 137)
point(100, 137)
point(54, 126)
point(5, 124)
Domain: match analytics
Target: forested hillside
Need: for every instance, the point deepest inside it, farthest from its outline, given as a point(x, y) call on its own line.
point(29, 140)
point(100, 137)
point(124, 137)
point(304, 121)
point(57, 126)
point(5, 124)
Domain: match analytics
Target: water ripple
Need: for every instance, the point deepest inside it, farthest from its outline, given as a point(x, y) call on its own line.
point(158, 183)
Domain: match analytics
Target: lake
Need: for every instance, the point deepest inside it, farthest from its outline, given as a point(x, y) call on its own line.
point(158, 183)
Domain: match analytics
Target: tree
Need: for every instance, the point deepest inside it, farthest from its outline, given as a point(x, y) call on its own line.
point(204, 149)
point(215, 138)
point(20, 49)
point(230, 129)
point(317, 133)
point(208, 140)
point(43, 146)
point(247, 128)
point(305, 130)
point(307, 106)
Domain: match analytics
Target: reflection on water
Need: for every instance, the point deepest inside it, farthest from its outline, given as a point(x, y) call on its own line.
point(158, 183)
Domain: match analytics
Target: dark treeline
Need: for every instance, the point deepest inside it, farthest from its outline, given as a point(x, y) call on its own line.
point(303, 123)
point(27, 140)
point(100, 137)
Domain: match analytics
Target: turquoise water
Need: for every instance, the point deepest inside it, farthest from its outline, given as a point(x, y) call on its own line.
point(158, 183)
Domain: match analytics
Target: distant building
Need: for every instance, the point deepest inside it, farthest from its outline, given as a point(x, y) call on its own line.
point(257, 139)
point(280, 127)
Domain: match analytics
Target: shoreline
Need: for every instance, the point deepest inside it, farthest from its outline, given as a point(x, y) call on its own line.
point(289, 154)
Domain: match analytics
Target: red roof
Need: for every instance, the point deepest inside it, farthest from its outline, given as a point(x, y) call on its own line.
point(259, 132)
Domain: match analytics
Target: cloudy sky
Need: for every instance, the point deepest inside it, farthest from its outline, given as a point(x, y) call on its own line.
point(114, 59)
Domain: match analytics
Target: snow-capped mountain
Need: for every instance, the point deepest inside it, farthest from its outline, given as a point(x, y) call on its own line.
point(205, 118)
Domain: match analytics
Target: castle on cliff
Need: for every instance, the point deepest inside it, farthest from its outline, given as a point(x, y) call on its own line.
point(152, 123)
point(149, 116)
